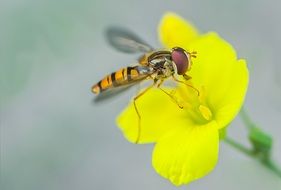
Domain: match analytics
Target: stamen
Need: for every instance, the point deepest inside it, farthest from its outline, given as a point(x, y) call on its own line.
point(205, 112)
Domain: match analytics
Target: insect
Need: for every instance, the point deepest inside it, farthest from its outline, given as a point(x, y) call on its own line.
point(154, 64)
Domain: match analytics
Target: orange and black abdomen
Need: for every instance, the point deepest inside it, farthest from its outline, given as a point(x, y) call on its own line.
point(122, 77)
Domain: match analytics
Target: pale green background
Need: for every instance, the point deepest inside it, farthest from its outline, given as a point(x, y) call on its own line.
point(51, 52)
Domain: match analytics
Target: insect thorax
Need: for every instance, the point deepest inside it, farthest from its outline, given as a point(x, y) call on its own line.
point(162, 64)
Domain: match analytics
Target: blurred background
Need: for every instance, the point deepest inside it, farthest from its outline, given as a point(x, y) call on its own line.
point(51, 52)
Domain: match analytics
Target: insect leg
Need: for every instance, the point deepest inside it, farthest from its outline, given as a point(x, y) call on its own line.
point(179, 81)
point(170, 95)
point(186, 77)
point(137, 111)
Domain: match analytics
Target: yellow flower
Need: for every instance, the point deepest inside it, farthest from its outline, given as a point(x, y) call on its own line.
point(187, 140)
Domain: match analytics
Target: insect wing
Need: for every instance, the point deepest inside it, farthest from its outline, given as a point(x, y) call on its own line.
point(114, 92)
point(126, 41)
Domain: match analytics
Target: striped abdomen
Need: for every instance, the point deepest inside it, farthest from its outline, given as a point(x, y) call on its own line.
point(122, 77)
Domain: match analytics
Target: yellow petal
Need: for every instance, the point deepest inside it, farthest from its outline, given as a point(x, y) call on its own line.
point(158, 115)
point(224, 79)
point(187, 154)
point(232, 99)
point(175, 31)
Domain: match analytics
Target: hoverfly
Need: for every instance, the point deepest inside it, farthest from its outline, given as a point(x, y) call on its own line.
point(154, 64)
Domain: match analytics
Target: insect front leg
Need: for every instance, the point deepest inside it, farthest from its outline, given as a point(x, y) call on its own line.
point(187, 77)
point(137, 111)
point(169, 94)
point(182, 82)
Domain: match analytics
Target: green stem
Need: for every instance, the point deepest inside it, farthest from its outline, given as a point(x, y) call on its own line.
point(273, 167)
point(267, 163)
point(239, 147)
point(246, 119)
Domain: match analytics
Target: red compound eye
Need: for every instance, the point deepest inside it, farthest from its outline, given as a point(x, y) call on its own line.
point(181, 60)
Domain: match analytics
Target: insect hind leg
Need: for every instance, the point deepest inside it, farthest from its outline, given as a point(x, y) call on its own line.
point(137, 111)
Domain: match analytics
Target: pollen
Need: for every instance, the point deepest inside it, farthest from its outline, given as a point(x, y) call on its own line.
point(205, 112)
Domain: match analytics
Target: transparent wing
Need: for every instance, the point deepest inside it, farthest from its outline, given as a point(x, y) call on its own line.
point(115, 92)
point(126, 41)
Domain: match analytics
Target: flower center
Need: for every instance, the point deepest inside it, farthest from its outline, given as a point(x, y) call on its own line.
point(196, 106)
